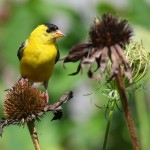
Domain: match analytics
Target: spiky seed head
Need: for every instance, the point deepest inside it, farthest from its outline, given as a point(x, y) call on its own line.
point(110, 30)
point(23, 102)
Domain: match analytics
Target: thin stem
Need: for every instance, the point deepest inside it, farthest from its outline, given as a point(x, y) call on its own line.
point(106, 134)
point(33, 133)
point(123, 98)
point(108, 124)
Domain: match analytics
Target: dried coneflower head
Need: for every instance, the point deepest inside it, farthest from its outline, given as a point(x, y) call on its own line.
point(23, 102)
point(107, 38)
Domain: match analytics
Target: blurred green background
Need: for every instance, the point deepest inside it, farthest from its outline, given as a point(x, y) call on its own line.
point(83, 124)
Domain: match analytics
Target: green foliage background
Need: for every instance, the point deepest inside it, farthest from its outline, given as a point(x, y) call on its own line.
point(83, 124)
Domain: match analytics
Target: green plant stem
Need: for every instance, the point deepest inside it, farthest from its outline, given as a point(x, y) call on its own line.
point(124, 102)
point(33, 133)
point(108, 123)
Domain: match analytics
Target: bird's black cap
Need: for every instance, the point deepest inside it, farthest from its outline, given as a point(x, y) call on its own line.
point(51, 27)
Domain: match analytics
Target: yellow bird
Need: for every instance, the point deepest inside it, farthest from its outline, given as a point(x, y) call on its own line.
point(39, 53)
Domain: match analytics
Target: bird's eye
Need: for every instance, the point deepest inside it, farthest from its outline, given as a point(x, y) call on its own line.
point(48, 30)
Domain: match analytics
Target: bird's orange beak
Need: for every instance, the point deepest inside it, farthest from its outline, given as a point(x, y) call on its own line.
point(58, 34)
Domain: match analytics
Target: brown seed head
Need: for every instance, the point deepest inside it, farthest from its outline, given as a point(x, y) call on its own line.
point(23, 102)
point(110, 30)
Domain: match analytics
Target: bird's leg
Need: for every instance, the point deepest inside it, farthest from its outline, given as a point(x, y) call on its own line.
point(46, 92)
point(36, 85)
point(47, 96)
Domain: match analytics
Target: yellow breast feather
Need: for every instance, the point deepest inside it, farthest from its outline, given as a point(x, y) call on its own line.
point(38, 61)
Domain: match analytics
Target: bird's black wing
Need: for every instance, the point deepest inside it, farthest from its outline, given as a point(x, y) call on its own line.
point(21, 49)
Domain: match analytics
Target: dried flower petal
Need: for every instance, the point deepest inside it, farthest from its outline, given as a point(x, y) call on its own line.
point(78, 52)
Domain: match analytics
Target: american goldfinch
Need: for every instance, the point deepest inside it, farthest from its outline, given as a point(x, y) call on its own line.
point(39, 53)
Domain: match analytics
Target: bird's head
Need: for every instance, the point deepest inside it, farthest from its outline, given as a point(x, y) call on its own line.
point(46, 33)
